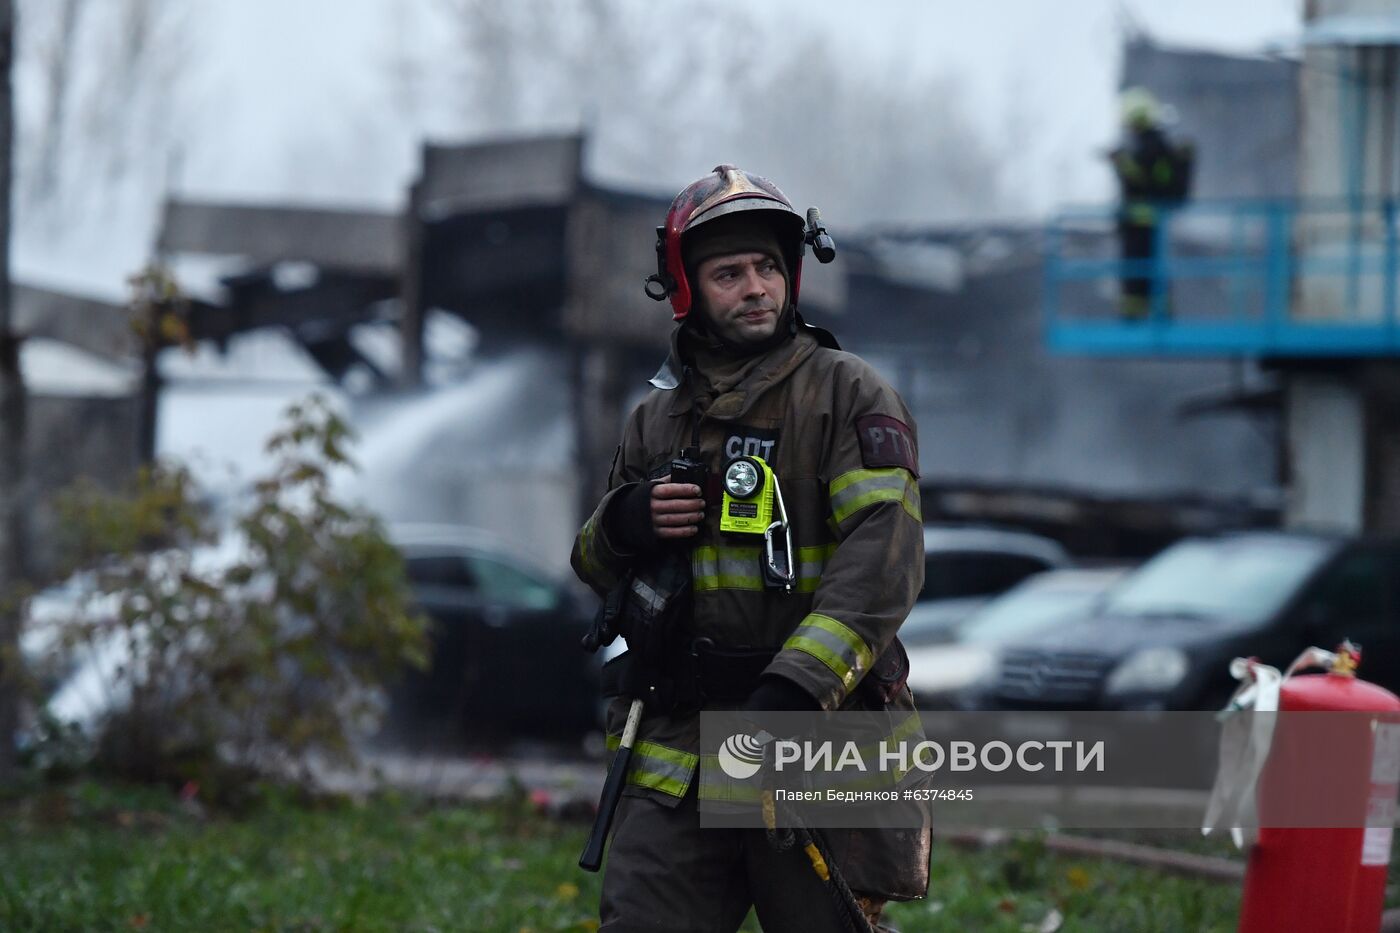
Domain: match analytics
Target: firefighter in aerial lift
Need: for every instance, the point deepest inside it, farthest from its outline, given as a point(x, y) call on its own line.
point(1154, 176)
point(759, 546)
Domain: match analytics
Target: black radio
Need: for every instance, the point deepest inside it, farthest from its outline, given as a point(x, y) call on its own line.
point(689, 468)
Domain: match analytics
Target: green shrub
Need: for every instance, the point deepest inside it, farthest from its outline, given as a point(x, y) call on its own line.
point(260, 662)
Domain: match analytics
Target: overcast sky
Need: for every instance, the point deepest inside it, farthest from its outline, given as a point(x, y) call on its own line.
point(327, 100)
point(1012, 57)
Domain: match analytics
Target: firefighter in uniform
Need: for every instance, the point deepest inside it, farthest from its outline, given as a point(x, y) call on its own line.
point(1153, 173)
point(747, 376)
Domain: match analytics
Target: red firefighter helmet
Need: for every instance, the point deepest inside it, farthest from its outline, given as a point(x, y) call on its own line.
point(726, 191)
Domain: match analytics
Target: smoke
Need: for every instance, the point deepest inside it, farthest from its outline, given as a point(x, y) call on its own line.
point(667, 91)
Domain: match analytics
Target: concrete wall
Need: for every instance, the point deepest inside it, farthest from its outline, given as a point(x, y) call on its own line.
point(1342, 418)
point(68, 438)
point(1325, 427)
point(1241, 112)
point(1343, 447)
point(1349, 147)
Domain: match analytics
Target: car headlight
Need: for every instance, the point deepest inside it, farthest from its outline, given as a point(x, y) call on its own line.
point(1149, 670)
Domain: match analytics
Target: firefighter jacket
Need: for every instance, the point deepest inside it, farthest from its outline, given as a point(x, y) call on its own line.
point(844, 449)
point(1152, 171)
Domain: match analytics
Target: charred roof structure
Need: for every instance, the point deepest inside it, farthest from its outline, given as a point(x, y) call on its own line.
point(314, 271)
point(508, 235)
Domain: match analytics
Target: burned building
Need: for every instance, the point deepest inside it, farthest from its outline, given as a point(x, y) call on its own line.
point(547, 266)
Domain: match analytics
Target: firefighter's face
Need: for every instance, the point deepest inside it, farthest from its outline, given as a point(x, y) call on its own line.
point(741, 296)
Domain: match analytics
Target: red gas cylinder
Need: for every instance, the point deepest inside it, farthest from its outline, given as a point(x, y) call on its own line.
point(1337, 775)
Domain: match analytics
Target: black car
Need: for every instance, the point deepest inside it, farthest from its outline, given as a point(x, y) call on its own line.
point(1164, 637)
point(952, 674)
point(506, 659)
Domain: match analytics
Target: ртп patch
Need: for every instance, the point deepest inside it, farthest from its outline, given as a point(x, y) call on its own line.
point(887, 442)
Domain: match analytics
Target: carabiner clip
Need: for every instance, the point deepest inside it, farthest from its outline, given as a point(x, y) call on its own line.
point(785, 575)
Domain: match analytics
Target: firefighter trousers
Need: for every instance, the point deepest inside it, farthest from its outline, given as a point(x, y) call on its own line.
point(665, 873)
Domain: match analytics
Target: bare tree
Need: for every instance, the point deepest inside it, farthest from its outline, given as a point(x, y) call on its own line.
point(129, 114)
point(530, 63)
point(869, 146)
point(58, 55)
point(12, 434)
point(106, 77)
point(667, 91)
point(491, 42)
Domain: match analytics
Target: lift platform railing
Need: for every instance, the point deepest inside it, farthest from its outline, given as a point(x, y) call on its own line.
point(1315, 277)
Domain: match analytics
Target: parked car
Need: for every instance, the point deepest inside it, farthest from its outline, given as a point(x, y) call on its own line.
point(966, 566)
point(505, 640)
point(1164, 637)
point(951, 675)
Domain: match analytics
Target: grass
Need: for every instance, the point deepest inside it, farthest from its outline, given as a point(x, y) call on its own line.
point(92, 859)
point(92, 856)
point(1017, 886)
